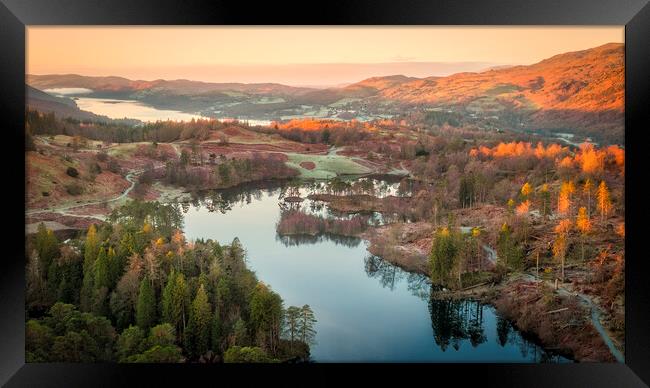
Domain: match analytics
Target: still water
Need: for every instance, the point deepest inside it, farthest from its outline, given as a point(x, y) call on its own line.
point(132, 109)
point(119, 109)
point(367, 309)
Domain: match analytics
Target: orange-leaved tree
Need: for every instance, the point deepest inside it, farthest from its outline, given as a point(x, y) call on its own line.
point(604, 201)
point(583, 223)
point(561, 241)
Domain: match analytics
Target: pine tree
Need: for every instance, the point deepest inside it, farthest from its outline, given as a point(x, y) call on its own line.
point(216, 332)
point(306, 324)
point(443, 256)
point(266, 315)
point(176, 302)
point(91, 248)
point(145, 310)
point(292, 318)
point(197, 335)
point(239, 333)
point(36, 286)
point(101, 270)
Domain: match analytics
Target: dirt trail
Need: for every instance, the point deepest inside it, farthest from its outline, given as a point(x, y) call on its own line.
point(595, 315)
point(64, 210)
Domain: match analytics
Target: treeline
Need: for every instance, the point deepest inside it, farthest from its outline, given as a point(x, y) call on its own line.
point(226, 172)
point(294, 222)
point(313, 131)
point(134, 290)
point(39, 123)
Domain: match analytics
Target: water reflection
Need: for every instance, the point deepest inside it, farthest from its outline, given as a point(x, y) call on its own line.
point(389, 275)
point(457, 321)
point(301, 239)
point(368, 309)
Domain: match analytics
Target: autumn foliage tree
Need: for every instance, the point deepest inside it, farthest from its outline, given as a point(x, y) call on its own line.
point(561, 242)
point(583, 224)
point(604, 201)
point(564, 199)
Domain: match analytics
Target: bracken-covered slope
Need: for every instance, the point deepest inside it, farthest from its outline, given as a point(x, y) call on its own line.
point(588, 80)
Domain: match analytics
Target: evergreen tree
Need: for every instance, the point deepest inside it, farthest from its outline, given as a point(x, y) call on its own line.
point(145, 311)
point(306, 324)
point(292, 317)
point(91, 248)
point(101, 270)
point(130, 342)
point(47, 247)
point(197, 335)
point(216, 332)
point(239, 333)
point(266, 316)
point(444, 255)
point(176, 302)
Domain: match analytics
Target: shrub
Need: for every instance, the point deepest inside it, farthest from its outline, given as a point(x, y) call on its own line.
point(237, 354)
point(74, 189)
point(113, 166)
point(94, 168)
point(71, 171)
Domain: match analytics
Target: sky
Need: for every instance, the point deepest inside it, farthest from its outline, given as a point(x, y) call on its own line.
point(309, 56)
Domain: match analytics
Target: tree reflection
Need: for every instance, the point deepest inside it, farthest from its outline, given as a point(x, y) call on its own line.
point(454, 321)
point(389, 275)
point(301, 239)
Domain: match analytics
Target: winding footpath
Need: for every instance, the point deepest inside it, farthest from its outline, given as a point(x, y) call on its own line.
point(595, 315)
point(65, 210)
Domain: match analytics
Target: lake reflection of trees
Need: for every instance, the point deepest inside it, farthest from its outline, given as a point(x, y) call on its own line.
point(455, 321)
point(301, 239)
point(389, 275)
point(223, 201)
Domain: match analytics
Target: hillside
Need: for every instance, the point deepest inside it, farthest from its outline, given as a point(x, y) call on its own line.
point(63, 107)
point(180, 86)
point(580, 92)
point(576, 89)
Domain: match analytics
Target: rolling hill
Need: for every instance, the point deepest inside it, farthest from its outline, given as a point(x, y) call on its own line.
point(581, 92)
point(63, 107)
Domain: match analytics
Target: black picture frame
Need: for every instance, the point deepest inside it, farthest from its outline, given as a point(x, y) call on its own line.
point(634, 14)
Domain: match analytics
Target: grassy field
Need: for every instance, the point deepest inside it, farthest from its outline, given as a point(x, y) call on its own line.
point(327, 166)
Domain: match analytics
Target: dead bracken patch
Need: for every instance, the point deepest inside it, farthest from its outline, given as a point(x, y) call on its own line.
point(559, 321)
point(308, 165)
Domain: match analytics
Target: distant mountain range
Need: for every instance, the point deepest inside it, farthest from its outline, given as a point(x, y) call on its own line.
point(580, 91)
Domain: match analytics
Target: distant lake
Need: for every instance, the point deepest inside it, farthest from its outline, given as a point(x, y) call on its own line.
point(68, 91)
point(119, 109)
point(367, 308)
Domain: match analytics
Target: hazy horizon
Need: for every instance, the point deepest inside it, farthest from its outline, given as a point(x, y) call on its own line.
point(300, 74)
point(297, 56)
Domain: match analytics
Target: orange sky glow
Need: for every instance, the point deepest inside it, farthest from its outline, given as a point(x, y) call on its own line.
point(296, 55)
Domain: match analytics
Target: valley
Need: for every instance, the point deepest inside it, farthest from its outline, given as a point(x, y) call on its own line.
point(476, 217)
